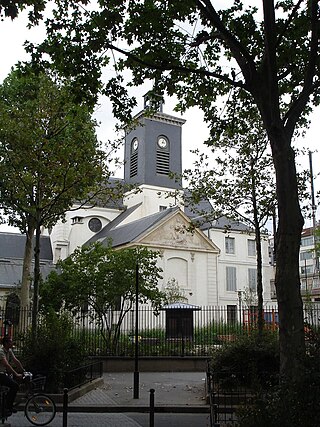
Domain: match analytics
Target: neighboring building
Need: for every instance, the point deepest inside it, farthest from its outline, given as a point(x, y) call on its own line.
point(210, 265)
point(237, 267)
point(309, 267)
point(12, 247)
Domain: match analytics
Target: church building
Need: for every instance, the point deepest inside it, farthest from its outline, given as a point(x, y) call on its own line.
point(213, 265)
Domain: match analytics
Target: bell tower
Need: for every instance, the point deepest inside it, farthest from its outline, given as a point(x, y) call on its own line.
point(153, 148)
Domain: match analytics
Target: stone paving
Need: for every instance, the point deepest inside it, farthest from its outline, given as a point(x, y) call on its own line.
point(80, 420)
point(171, 388)
point(179, 389)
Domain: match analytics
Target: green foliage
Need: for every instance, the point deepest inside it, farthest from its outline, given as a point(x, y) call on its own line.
point(287, 405)
point(223, 59)
point(191, 49)
point(12, 8)
point(102, 282)
point(49, 151)
point(174, 293)
point(104, 278)
point(250, 360)
point(284, 403)
point(54, 351)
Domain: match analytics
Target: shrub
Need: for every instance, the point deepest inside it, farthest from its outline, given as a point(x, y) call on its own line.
point(285, 405)
point(290, 403)
point(249, 361)
point(54, 350)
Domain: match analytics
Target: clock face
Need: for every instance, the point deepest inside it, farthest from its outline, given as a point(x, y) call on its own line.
point(162, 142)
point(135, 144)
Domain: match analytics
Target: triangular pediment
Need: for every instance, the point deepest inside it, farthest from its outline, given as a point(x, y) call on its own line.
point(173, 232)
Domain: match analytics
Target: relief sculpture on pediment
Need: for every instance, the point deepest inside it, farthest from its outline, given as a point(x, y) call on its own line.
point(175, 233)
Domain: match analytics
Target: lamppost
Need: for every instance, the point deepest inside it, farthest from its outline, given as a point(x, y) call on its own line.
point(240, 305)
point(136, 342)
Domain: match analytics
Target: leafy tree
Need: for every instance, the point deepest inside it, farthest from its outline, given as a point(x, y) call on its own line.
point(240, 182)
point(11, 8)
point(55, 350)
point(104, 281)
point(266, 54)
point(174, 293)
point(49, 157)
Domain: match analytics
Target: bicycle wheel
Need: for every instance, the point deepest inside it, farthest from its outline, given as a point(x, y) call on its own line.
point(40, 409)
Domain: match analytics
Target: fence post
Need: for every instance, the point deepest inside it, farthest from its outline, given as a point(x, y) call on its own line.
point(65, 408)
point(151, 418)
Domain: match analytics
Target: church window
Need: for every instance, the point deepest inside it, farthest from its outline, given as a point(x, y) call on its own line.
point(95, 225)
point(252, 247)
point(231, 275)
point(230, 245)
point(252, 276)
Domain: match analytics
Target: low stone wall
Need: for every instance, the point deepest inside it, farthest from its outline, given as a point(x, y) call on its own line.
point(156, 364)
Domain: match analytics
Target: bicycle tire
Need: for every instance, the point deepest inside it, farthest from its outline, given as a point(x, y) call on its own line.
point(40, 409)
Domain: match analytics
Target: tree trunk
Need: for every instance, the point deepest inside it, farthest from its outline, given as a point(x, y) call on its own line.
point(287, 280)
point(36, 283)
point(258, 249)
point(259, 282)
point(26, 270)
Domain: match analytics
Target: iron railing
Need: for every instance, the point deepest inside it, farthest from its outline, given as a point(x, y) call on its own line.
point(83, 374)
point(225, 400)
point(188, 334)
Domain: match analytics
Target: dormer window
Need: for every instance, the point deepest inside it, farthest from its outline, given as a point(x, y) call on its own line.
point(77, 220)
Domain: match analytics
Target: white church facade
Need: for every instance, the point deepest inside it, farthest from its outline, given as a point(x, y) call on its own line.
point(212, 266)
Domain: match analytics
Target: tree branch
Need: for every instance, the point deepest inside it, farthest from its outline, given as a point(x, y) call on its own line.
point(271, 75)
point(241, 55)
point(289, 20)
point(297, 107)
point(181, 69)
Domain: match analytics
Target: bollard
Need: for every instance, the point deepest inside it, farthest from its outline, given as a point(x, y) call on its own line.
point(65, 408)
point(151, 418)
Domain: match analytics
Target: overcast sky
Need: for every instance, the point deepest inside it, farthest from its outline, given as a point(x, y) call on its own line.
point(14, 33)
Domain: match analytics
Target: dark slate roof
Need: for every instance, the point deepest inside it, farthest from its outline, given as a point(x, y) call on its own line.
point(104, 233)
point(116, 202)
point(12, 246)
point(11, 272)
point(224, 223)
point(123, 234)
point(201, 211)
point(11, 258)
point(203, 207)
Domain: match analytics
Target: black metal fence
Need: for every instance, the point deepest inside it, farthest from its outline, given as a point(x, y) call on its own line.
point(179, 333)
point(225, 401)
point(82, 375)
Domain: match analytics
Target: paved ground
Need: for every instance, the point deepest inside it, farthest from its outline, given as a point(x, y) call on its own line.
point(119, 420)
point(171, 388)
point(179, 390)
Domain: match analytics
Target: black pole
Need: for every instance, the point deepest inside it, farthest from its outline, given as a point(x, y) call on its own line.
point(65, 408)
point(151, 418)
point(136, 342)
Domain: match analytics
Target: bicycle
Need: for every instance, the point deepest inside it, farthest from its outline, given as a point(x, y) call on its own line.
point(39, 408)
